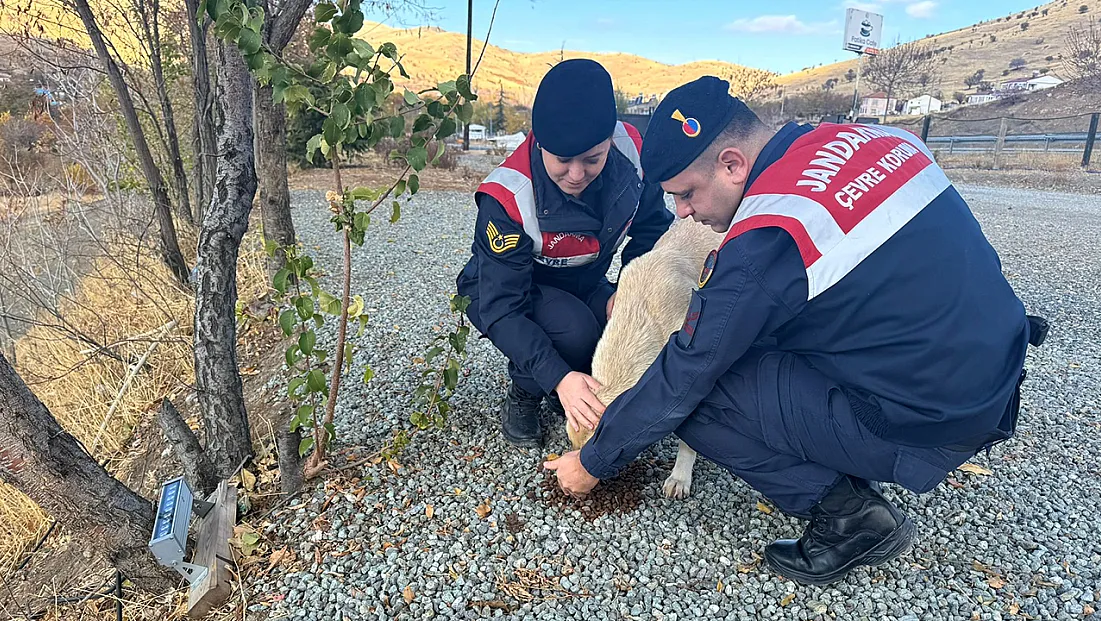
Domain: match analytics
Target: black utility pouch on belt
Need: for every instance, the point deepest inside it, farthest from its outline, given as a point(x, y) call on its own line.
point(1037, 333)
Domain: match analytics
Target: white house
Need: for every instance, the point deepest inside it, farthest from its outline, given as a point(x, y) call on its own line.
point(477, 132)
point(1036, 83)
point(981, 98)
point(877, 104)
point(922, 105)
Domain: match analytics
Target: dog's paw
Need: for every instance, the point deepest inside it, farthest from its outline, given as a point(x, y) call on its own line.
point(677, 487)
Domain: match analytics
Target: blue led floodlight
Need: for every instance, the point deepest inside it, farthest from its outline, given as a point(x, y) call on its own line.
point(169, 540)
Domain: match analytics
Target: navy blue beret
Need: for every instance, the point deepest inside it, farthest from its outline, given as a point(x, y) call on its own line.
point(684, 123)
point(574, 108)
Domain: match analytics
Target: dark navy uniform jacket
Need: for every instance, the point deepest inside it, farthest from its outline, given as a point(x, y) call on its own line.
point(925, 334)
point(577, 242)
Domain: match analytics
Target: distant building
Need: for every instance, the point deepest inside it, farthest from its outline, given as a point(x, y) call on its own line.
point(877, 104)
point(506, 141)
point(642, 105)
point(980, 98)
point(1036, 83)
point(922, 105)
point(477, 132)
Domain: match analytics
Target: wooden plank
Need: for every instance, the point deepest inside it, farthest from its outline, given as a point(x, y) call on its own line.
point(1000, 143)
point(212, 551)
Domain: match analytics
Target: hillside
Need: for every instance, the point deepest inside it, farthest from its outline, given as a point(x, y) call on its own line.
point(433, 55)
point(988, 45)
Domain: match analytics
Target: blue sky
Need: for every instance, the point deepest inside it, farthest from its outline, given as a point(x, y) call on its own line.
point(778, 35)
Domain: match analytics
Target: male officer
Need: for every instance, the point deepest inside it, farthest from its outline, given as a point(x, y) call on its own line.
point(550, 219)
point(853, 327)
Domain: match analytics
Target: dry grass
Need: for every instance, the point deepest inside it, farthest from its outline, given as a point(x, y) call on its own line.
point(126, 299)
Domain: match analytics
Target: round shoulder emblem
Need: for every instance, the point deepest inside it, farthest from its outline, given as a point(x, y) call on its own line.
point(708, 267)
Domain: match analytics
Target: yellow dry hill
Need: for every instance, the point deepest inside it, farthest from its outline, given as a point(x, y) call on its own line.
point(1034, 35)
point(433, 55)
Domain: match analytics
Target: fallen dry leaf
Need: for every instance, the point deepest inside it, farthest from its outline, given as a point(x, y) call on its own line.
point(954, 483)
point(553, 456)
point(1014, 608)
point(248, 479)
point(428, 511)
point(407, 594)
point(1087, 610)
point(790, 597)
point(975, 469)
point(277, 557)
point(393, 465)
point(483, 509)
point(995, 582)
point(719, 587)
point(763, 508)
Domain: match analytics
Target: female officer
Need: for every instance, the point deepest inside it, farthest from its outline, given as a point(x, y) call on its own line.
point(550, 219)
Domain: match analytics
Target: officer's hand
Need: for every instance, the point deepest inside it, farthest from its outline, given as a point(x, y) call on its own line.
point(572, 476)
point(611, 303)
point(576, 391)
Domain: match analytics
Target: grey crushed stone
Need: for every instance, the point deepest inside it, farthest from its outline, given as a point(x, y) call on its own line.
point(1032, 523)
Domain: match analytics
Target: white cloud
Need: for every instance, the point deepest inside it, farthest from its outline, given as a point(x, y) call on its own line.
point(922, 9)
point(786, 24)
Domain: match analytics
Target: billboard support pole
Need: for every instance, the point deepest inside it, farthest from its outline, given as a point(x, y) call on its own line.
point(856, 90)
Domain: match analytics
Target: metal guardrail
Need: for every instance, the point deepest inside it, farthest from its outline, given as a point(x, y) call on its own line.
point(1066, 142)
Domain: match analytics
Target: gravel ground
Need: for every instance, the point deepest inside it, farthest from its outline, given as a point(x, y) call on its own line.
point(1018, 542)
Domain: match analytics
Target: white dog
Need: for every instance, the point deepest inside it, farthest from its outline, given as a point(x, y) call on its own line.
point(650, 304)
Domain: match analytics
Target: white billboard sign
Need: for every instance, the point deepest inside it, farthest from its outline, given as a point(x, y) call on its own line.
point(862, 31)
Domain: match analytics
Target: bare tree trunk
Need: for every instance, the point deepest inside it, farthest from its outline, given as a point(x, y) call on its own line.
point(51, 467)
point(169, 245)
point(271, 168)
point(205, 144)
point(271, 134)
point(224, 223)
point(197, 466)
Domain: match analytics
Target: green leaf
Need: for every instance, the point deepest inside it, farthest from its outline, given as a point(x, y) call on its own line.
point(399, 188)
point(396, 214)
point(333, 132)
point(329, 73)
point(305, 445)
point(270, 247)
point(446, 87)
point(341, 114)
point(315, 381)
point(350, 22)
point(279, 281)
point(356, 306)
point(432, 353)
point(363, 48)
point(397, 126)
point(293, 386)
point(459, 303)
point(422, 123)
point(319, 38)
point(368, 374)
point(401, 70)
point(297, 93)
point(306, 341)
point(436, 109)
point(366, 97)
point(364, 128)
point(291, 356)
point(287, 321)
point(304, 305)
point(255, 21)
point(389, 50)
point(350, 134)
point(411, 98)
point(325, 300)
point(339, 46)
point(447, 128)
point(462, 84)
point(324, 12)
point(312, 146)
point(417, 158)
point(414, 184)
point(465, 111)
point(440, 148)
point(451, 378)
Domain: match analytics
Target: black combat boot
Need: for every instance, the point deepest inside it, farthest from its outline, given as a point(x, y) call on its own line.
point(555, 404)
point(853, 525)
point(520, 418)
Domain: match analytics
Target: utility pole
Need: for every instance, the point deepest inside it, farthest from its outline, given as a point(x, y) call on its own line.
point(469, 35)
